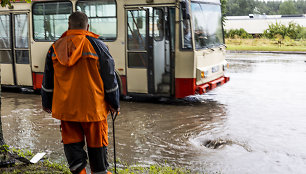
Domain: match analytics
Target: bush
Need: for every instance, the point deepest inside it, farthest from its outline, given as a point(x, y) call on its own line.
point(237, 33)
point(293, 31)
point(301, 33)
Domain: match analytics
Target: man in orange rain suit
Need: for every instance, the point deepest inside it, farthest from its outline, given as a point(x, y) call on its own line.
point(79, 88)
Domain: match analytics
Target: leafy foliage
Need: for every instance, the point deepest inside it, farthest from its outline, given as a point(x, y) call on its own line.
point(237, 33)
point(276, 31)
point(223, 10)
point(263, 44)
point(240, 7)
point(292, 31)
point(246, 7)
point(8, 2)
point(287, 8)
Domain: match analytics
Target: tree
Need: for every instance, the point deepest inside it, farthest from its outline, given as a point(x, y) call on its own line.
point(261, 7)
point(233, 8)
point(240, 7)
point(223, 10)
point(276, 7)
point(301, 6)
point(287, 8)
point(273, 7)
point(8, 2)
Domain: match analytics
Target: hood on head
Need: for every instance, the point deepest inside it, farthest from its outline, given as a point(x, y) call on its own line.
point(69, 48)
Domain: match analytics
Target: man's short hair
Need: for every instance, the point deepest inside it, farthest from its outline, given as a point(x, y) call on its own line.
point(78, 20)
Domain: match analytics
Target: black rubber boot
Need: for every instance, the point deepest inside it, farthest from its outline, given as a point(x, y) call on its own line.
point(76, 156)
point(98, 159)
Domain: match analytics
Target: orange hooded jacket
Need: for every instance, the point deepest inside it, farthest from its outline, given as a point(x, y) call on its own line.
point(78, 87)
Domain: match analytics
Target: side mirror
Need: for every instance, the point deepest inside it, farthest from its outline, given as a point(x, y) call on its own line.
point(185, 9)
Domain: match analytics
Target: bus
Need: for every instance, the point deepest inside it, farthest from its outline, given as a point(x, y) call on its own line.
point(163, 48)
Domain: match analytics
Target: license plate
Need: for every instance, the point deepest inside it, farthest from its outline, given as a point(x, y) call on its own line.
point(215, 69)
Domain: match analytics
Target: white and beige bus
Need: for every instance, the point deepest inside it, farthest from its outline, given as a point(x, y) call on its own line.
point(170, 48)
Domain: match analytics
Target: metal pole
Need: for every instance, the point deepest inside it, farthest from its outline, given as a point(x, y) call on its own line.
point(114, 118)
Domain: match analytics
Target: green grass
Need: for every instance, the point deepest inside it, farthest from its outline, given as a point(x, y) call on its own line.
point(47, 167)
point(265, 45)
point(42, 167)
point(50, 168)
point(153, 169)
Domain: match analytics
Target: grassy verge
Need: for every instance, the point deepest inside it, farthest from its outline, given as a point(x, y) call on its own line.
point(153, 169)
point(48, 167)
point(45, 166)
point(265, 45)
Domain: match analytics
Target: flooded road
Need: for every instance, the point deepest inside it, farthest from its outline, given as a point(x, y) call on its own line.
point(253, 124)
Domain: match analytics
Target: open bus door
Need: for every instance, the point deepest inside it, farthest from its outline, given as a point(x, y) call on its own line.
point(137, 51)
point(14, 49)
point(150, 50)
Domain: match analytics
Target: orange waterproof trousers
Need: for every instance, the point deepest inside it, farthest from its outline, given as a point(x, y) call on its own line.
point(74, 135)
point(95, 133)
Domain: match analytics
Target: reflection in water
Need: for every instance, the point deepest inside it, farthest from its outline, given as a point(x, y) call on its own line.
point(266, 111)
point(157, 133)
point(25, 125)
point(253, 124)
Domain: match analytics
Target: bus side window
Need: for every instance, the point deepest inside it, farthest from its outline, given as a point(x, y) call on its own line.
point(50, 19)
point(102, 17)
point(187, 35)
point(186, 38)
point(5, 42)
point(158, 24)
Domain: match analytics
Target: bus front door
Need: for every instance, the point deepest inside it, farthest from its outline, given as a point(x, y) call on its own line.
point(14, 50)
point(149, 51)
point(137, 51)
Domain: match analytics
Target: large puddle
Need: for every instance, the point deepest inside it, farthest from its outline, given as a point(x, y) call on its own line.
point(253, 124)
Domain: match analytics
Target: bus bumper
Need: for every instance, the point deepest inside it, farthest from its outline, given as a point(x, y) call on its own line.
point(187, 86)
point(201, 89)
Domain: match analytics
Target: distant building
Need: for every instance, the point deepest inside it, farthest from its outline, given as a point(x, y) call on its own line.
point(256, 24)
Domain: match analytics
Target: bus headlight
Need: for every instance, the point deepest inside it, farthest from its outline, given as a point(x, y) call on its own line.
point(225, 65)
point(204, 74)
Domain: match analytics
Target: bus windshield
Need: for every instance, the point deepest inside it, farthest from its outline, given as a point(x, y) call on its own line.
point(207, 25)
